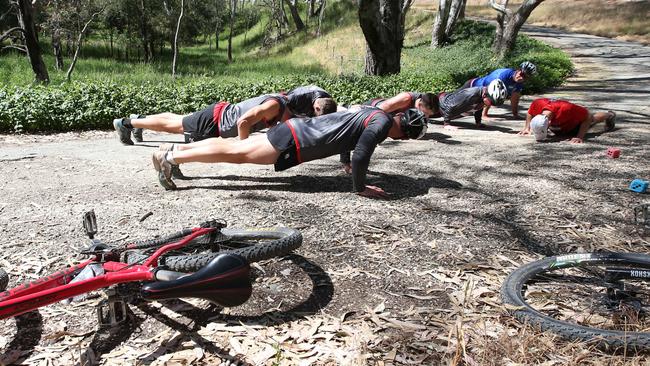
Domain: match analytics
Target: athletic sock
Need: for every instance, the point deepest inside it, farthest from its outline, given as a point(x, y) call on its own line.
point(169, 156)
point(127, 123)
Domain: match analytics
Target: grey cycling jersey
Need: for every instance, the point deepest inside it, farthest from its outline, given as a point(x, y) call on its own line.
point(334, 133)
point(462, 102)
point(378, 101)
point(301, 99)
point(232, 113)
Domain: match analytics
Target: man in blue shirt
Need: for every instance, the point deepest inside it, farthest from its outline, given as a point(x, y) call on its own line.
point(513, 79)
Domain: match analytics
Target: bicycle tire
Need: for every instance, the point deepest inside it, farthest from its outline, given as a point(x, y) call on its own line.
point(515, 285)
point(4, 280)
point(281, 241)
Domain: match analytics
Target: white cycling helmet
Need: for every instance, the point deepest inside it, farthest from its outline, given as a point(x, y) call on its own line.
point(528, 68)
point(497, 92)
point(539, 126)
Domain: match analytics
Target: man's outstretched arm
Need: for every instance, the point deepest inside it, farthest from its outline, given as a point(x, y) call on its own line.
point(373, 135)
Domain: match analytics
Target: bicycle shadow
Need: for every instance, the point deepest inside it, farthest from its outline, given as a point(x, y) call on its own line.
point(106, 339)
point(29, 331)
point(320, 295)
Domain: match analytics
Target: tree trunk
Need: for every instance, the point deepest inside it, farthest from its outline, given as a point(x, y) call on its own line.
point(509, 23)
point(382, 23)
point(454, 12)
point(320, 16)
point(68, 75)
point(294, 14)
point(438, 32)
point(461, 13)
point(144, 33)
point(110, 37)
point(232, 24)
point(26, 21)
point(178, 27)
point(56, 46)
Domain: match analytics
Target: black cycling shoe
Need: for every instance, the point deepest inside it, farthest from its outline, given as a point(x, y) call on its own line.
point(177, 173)
point(123, 132)
point(137, 134)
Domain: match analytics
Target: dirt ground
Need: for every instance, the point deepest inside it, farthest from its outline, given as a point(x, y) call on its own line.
point(410, 280)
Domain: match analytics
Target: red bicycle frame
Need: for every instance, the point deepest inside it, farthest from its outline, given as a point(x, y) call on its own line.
point(57, 286)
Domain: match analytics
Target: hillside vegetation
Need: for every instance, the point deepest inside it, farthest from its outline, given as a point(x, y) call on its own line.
point(104, 88)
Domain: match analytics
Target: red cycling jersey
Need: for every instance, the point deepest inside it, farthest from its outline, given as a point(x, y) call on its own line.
point(566, 116)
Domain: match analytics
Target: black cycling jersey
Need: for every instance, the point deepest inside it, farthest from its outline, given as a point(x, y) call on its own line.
point(301, 99)
point(462, 102)
point(232, 113)
point(331, 134)
point(378, 101)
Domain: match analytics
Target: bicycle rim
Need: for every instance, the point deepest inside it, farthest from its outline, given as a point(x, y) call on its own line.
point(251, 243)
point(572, 296)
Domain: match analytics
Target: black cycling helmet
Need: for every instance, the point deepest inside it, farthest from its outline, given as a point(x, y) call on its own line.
point(528, 68)
point(413, 123)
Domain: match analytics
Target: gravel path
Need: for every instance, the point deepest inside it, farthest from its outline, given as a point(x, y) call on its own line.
point(466, 204)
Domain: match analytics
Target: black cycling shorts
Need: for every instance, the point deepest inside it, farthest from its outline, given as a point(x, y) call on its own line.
point(281, 138)
point(200, 125)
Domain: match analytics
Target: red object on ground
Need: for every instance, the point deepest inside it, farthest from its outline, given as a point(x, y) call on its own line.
point(613, 152)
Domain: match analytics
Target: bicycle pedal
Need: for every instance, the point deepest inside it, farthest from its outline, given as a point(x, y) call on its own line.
point(112, 311)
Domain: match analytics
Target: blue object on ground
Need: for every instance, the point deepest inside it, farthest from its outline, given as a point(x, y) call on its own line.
point(639, 185)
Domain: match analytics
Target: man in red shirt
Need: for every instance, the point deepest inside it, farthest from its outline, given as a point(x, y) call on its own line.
point(563, 118)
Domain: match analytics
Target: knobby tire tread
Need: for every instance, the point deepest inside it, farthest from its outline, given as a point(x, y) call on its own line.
point(283, 241)
point(4, 280)
point(512, 294)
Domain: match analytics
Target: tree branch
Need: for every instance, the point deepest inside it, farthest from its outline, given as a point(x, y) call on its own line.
point(501, 8)
point(19, 48)
point(7, 33)
point(407, 6)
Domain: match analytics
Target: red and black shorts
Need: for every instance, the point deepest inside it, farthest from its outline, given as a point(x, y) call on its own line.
point(203, 124)
point(281, 137)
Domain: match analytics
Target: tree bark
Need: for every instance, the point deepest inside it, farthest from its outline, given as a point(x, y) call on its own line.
point(68, 75)
point(320, 16)
point(438, 32)
point(509, 23)
point(295, 16)
point(56, 46)
point(178, 27)
point(454, 12)
point(382, 23)
point(26, 21)
point(232, 24)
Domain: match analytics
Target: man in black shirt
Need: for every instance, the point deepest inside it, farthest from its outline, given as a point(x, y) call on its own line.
point(301, 140)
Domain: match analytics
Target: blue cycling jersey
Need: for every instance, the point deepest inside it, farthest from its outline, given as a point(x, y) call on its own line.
point(505, 75)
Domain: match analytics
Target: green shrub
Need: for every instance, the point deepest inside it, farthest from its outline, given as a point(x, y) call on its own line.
point(92, 104)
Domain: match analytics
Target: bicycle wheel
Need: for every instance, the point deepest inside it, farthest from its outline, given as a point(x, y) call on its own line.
point(251, 243)
point(583, 297)
point(4, 280)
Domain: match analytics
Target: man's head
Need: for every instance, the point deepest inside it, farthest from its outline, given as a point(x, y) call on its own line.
point(411, 124)
point(428, 104)
point(324, 106)
point(525, 71)
point(539, 126)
